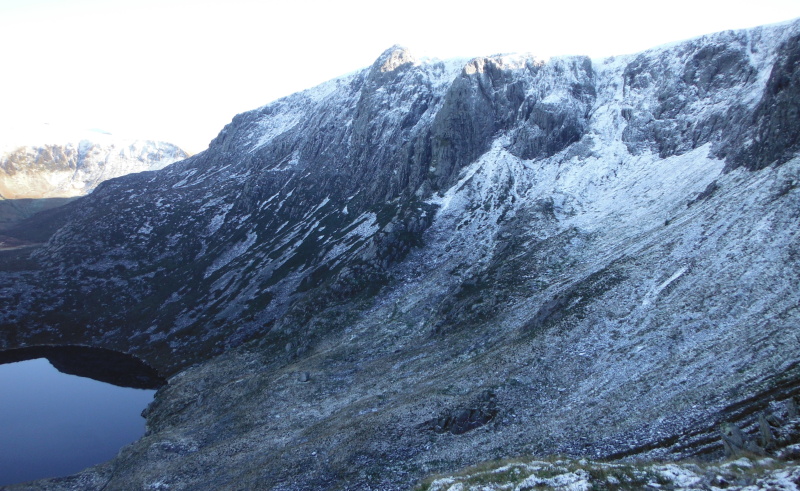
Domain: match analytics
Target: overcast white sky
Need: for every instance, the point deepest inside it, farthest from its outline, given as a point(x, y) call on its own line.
point(179, 70)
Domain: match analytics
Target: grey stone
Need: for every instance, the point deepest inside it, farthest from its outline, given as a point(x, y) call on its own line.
point(791, 408)
point(766, 440)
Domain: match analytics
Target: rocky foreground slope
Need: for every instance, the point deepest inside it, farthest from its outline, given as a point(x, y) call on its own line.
point(37, 177)
point(424, 265)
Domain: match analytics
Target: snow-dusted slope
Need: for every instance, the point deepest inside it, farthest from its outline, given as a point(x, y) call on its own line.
point(426, 264)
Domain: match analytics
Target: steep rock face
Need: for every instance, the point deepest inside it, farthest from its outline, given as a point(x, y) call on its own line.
point(774, 136)
point(423, 265)
point(543, 106)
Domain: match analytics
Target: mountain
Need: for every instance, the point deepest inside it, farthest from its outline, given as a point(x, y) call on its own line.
point(425, 264)
point(39, 176)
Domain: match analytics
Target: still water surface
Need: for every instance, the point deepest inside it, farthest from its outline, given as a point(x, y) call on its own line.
point(53, 424)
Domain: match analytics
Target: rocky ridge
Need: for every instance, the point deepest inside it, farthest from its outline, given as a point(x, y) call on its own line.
point(425, 265)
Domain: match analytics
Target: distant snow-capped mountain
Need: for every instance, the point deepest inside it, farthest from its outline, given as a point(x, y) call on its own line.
point(47, 172)
point(75, 168)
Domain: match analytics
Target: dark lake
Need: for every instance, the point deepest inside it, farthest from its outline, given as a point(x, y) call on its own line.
point(53, 424)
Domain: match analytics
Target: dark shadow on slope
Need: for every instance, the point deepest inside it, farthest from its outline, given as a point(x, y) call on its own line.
point(14, 211)
point(104, 365)
point(46, 216)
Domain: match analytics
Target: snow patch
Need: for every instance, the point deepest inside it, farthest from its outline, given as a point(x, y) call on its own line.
point(232, 253)
point(218, 219)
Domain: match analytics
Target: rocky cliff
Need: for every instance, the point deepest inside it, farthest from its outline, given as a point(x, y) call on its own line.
point(425, 264)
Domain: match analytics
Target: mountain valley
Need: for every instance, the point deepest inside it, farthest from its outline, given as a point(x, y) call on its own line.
point(426, 264)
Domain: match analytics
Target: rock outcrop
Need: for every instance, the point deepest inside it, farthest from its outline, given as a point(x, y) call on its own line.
point(424, 265)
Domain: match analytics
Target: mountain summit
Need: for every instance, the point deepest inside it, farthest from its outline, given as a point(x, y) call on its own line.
point(393, 58)
point(428, 264)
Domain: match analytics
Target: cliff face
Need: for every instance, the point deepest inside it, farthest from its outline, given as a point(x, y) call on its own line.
point(424, 265)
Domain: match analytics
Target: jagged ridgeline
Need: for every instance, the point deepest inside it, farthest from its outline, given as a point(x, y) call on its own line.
point(425, 264)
